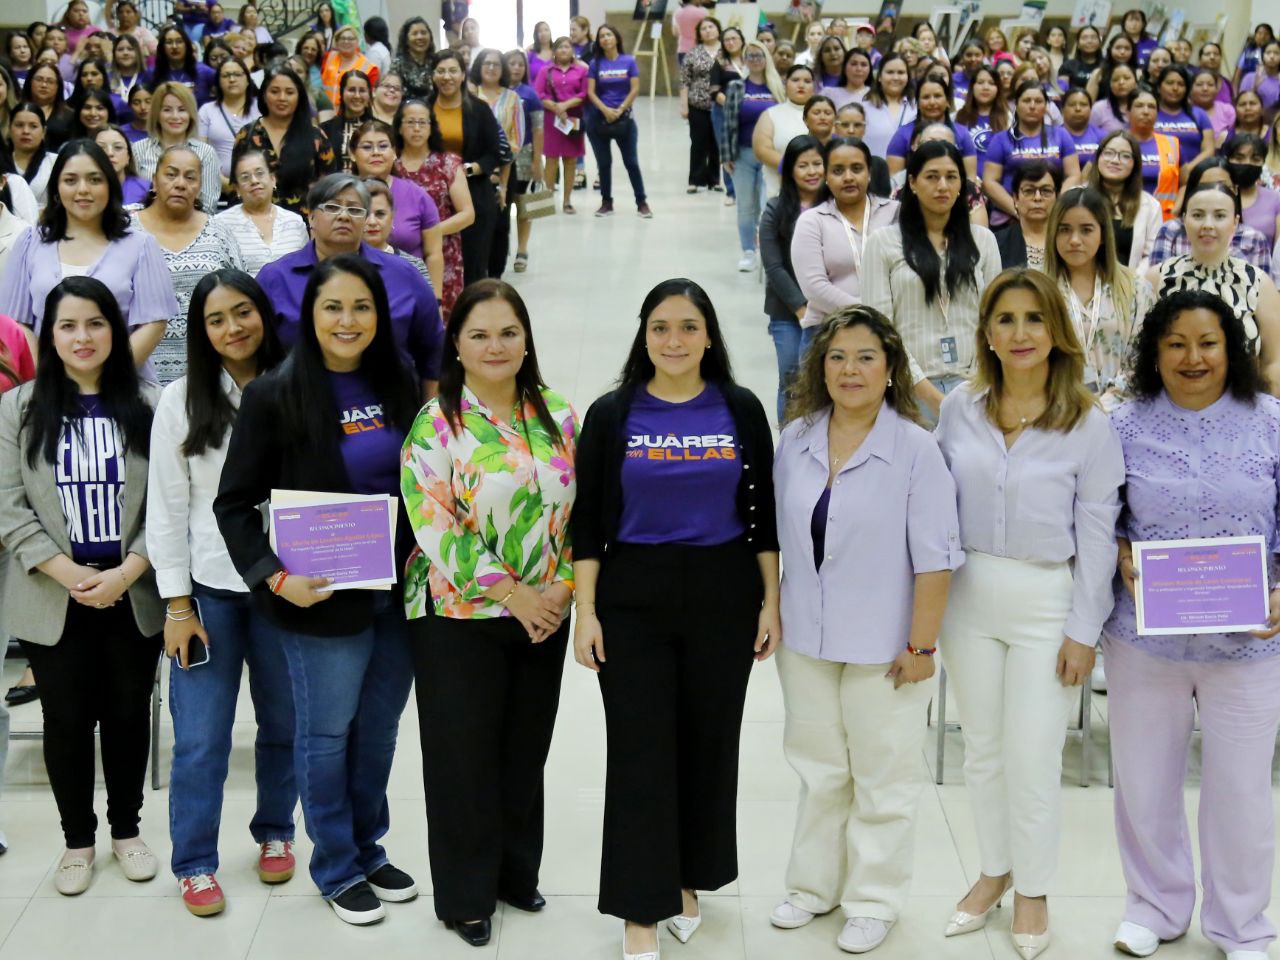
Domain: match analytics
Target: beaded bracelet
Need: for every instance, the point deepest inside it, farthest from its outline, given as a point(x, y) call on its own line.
point(927, 652)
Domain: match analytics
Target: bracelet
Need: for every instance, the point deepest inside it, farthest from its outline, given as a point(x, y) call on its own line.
point(275, 582)
point(926, 652)
point(510, 593)
point(167, 611)
point(591, 603)
point(190, 615)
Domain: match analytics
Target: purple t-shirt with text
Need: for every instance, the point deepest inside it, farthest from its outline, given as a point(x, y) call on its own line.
point(1010, 150)
point(900, 142)
point(1150, 164)
point(370, 445)
point(90, 476)
point(756, 99)
point(1086, 144)
point(613, 78)
point(1188, 130)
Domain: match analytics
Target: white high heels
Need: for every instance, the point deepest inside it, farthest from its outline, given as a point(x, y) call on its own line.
point(647, 955)
point(962, 923)
point(1031, 945)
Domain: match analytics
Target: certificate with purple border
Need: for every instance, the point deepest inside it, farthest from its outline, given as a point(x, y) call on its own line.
point(348, 538)
point(1212, 585)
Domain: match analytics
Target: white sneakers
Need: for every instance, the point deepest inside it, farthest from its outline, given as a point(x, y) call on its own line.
point(862, 934)
point(1247, 955)
point(1135, 940)
point(787, 916)
point(748, 262)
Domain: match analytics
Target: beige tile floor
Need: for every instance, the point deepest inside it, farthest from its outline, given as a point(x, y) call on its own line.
point(584, 287)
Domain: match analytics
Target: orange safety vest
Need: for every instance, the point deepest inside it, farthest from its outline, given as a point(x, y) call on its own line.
point(331, 73)
point(1166, 192)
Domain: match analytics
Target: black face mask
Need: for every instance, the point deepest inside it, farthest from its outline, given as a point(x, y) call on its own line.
point(1244, 175)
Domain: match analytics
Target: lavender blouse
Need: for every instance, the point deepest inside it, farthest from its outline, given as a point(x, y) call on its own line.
point(1206, 473)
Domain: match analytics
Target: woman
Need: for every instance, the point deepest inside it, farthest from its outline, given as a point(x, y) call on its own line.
point(174, 122)
point(1111, 107)
point(1211, 59)
point(310, 49)
point(176, 63)
point(440, 174)
point(249, 21)
point(233, 108)
point(1134, 214)
point(1026, 421)
point(67, 124)
point(779, 124)
point(1134, 25)
point(1046, 74)
point(377, 39)
point(1212, 214)
point(1119, 53)
point(985, 112)
point(528, 158)
point(1251, 52)
point(387, 96)
point(1265, 80)
point(210, 621)
point(890, 105)
point(1218, 434)
point(803, 169)
point(75, 24)
point(933, 105)
point(1160, 155)
point(1028, 138)
point(829, 64)
point(857, 694)
point(415, 47)
point(1245, 155)
point(324, 24)
point(355, 96)
point(298, 153)
point(1177, 118)
point(654, 657)
point(542, 51)
point(813, 36)
point(729, 66)
point(1076, 107)
point(820, 118)
point(1157, 62)
point(1055, 43)
point(485, 736)
point(929, 47)
point(746, 100)
point(192, 243)
point(1203, 96)
point(933, 302)
point(84, 231)
point(80, 593)
point(94, 113)
point(127, 71)
point(416, 228)
point(1246, 243)
point(613, 83)
point(853, 87)
point(1024, 240)
point(44, 89)
point(133, 188)
point(1249, 115)
point(562, 86)
point(1085, 59)
point(342, 59)
point(378, 225)
point(348, 650)
point(261, 230)
point(492, 85)
point(140, 111)
point(997, 47)
point(462, 125)
point(1105, 299)
point(579, 36)
point(18, 55)
point(695, 106)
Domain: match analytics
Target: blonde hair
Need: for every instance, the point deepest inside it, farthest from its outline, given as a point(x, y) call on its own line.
point(1069, 401)
point(347, 28)
point(171, 88)
point(772, 79)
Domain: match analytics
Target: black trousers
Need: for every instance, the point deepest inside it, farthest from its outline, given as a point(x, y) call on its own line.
point(501, 247)
point(704, 154)
point(99, 674)
point(679, 626)
point(487, 701)
point(478, 239)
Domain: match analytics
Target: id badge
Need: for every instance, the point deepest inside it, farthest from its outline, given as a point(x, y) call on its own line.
point(950, 354)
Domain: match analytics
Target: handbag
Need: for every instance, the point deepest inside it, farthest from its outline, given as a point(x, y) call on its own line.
point(536, 202)
point(615, 128)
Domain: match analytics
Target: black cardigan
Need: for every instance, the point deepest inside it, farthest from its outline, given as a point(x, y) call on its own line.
point(260, 458)
point(597, 509)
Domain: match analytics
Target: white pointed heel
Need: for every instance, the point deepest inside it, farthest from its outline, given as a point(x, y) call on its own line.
point(962, 923)
point(653, 954)
point(1031, 945)
point(682, 927)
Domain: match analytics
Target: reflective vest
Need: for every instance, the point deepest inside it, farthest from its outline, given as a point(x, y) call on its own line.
point(1166, 192)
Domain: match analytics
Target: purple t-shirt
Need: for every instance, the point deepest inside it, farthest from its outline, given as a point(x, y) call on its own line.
point(1086, 144)
point(1262, 214)
point(1267, 87)
point(415, 211)
point(135, 189)
point(900, 142)
point(1142, 49)
point(1150, 164)
point(756, 99)
point(613, 78)
point(536, 65)
point(960, 86)
point(134, 134)
point(90, 476)
point(370, 445)
point(1189, 130)
point(1010, 151)
point(981, 133)
point(681, 453)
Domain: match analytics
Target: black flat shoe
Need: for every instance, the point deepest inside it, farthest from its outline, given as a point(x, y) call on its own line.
point(17, 696)
point(529, 903)
point(476, 932)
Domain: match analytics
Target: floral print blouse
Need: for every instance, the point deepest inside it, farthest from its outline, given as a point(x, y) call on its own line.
point(1107, 332)
point(695, 73)
point(291, 195)
point(492, 501)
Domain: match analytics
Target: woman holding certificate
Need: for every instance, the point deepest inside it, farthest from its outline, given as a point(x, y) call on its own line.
point(331, 419)
point(1038, 471)
point(488, 480)
point(1202, 459)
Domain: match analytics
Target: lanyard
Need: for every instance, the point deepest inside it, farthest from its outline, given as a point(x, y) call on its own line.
point(125, 90)
point(854, 244)
point(944, 293)
point(1090, 329)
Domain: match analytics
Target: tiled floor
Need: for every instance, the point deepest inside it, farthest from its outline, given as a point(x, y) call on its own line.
point(584, 287)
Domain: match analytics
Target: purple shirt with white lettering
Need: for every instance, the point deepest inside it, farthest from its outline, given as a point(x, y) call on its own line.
point(370, 444)
point(90, 476)
point(613, 78)
point(686, 454)
point(1189, 130)
point(756, 99)
point(1086, 144)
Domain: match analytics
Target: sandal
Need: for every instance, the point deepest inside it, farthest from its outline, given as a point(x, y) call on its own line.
point(522, 262)
point(568, 208)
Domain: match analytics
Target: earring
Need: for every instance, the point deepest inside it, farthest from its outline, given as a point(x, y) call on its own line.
point(889, 382)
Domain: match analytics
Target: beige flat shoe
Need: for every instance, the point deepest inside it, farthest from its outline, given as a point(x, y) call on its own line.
point(137, 861)
point(73, 876)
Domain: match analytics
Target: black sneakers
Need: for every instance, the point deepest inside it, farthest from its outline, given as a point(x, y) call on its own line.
point(392, 885)
point(358, 905)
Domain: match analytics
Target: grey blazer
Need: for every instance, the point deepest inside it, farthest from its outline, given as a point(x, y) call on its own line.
point(33, 529)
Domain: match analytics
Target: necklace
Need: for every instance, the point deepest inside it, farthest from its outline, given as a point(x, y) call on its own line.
point(1023, 419)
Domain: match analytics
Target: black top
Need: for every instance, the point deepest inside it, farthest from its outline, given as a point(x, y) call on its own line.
point(598, 506)
point(782, 293)
point(1124, 240)
point(1012, 245)
point(1078, 72)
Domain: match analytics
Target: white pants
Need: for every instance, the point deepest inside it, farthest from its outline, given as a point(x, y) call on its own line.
point(1000, 641)
point(857, 745)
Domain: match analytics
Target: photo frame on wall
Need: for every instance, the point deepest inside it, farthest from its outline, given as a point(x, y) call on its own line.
point(650, 10)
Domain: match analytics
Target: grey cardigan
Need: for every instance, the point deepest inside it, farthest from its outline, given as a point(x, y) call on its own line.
point(33, 529)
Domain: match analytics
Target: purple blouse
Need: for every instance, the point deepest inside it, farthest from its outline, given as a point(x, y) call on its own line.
point(1262, 213)
point(415, 211)
point(1207, 473)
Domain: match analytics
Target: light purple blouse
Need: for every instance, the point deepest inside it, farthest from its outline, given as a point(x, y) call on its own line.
point(1206, 473)
point(891, 516)
point(1053, 497)
point(1262, 214)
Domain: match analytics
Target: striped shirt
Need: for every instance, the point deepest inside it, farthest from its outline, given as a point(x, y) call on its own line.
point(146, 154)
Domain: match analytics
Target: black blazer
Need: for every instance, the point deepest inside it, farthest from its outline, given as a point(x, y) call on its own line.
point(597, 509)
point(259, 458)
point(1012, 245)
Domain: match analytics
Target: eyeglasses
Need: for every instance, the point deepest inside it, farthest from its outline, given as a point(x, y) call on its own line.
point(491, 63)
point(252, 176)
point(1115, 156)
point(337, 209)
point(415, 123)
point(754, 55)
point(394, 87)
point(1030, 193)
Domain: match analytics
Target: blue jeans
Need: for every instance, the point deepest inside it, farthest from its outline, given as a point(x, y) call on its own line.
point(600, 145)
point(202, 701)
point(348, 694)
point(748, 186)
point(787, 340)
point(717, 124)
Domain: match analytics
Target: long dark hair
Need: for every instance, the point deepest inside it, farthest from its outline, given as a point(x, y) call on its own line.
point(209, 410)
point(162, 72)
point(832, 145)
point(37, 158)
point(309, 404)
point(1184, 105)
point(55, 396)
point(342, 90)
point(250, 88)
point(917, 250)
point(529, 383)
point(53, 220)
point(297, 151)
point(876, 96)
point(1243, 380)
point(1014, 128)
point(919, 123)
point(639, 369)
point(402, 40)
point(1118, 109)
point(789, 193)
point(78, 89)
point(968, 112)
point(59, 100)
point(1197, 174)
point(103, 98)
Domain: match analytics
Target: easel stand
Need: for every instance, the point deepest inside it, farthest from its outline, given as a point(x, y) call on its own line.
point(652, 30)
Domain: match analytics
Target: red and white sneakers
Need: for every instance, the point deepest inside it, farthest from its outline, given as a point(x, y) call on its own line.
point(275, 861)
point(202, 895)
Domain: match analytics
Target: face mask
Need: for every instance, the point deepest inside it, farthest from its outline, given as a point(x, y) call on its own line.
point(1244, 175)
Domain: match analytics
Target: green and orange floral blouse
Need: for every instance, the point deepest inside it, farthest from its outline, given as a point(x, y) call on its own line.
point(491, 501)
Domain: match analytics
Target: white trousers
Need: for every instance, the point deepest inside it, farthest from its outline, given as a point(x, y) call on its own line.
point(857, 745)
point(1000, 641)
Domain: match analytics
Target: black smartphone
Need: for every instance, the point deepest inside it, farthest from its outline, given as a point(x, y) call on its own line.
point(197, 651)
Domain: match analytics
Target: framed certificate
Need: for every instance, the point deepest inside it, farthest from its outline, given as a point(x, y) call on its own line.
point(348, 538)
point(1216, 585)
